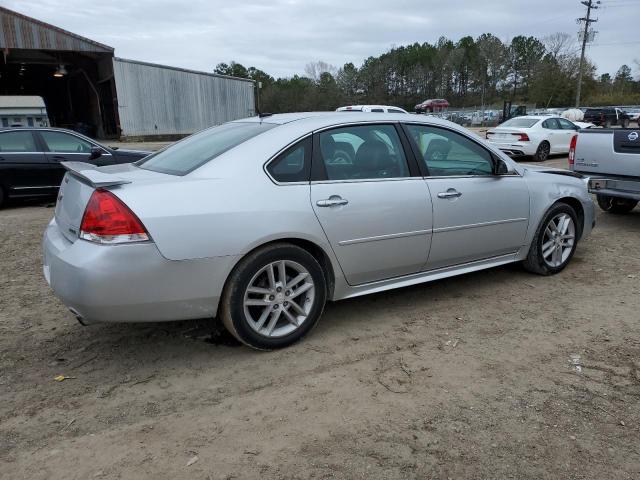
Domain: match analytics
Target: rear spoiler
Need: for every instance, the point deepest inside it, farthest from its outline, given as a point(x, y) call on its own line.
point(90, 174)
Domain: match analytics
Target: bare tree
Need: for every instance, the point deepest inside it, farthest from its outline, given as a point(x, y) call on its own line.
point(314, 70)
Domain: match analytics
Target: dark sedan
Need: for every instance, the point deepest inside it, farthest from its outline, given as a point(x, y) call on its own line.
point(30, 159)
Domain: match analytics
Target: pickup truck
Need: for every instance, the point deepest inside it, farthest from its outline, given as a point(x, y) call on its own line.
point(606, 117)
point(611, 160)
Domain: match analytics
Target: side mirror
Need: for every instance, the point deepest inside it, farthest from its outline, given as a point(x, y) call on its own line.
point(95, 153)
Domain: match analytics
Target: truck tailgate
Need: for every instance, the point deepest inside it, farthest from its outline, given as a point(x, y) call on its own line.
point(608, 152)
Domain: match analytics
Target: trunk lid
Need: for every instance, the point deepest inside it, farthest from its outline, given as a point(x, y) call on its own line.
point(610, 152)
point(505, 135)
point(81, 180)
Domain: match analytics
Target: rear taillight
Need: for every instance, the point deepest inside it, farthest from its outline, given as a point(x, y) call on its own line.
point(108, 220)
point(522, 137)
point(572, 150)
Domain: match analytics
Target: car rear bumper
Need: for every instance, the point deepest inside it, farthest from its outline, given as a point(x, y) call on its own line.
point(615, 187)
point(130, 283)
point(515, 149)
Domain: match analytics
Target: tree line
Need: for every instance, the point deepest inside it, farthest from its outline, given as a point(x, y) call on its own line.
point(468, 73)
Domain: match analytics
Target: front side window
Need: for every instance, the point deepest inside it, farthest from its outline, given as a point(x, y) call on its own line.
point(17, 142)
point(194, 151)
point(447, 153)
point(64, 143)
point(566, 124)
point(395, 110)
point(294, 164)
point(362, 152)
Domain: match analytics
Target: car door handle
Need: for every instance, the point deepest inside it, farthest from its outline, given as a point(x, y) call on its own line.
point(451, 193)
point(332, 201)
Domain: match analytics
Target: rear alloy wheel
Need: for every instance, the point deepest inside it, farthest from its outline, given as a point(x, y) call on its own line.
point(615, 204)
point(542, 153)
point(555, 241)
point(274, 297)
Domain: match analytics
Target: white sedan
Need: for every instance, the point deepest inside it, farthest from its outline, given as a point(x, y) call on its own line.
point(535, 136)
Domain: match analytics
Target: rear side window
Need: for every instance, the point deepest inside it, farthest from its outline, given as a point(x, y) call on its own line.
point(551, 123)
point(362, 152)
point(194, 151)
point(17, 142)
point(377, 110)
point(294, 164)
point(395, 110)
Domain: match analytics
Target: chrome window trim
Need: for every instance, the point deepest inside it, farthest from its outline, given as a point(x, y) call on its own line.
point(512, 174)
point(367, 180)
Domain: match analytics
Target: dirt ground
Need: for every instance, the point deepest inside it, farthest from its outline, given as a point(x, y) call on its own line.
point(466, 378)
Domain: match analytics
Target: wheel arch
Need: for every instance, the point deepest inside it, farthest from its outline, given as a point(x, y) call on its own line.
point(577, 207)
point(318, 252)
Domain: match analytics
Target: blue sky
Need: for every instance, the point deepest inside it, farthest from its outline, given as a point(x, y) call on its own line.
point(282, 36)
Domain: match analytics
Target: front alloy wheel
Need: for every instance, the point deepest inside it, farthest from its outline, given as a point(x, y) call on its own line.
point(555, 241)
point(274, 296)
point(558, 240)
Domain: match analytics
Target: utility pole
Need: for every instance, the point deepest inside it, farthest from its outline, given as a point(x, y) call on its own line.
point(591, 5)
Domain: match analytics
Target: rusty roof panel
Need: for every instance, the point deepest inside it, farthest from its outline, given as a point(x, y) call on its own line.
point(20, 31)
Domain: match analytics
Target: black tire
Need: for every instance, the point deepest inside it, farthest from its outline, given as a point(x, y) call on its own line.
point(2, 197)
point(542, 152)
point(232, 308)
point(535, 261)
point(625, 123)
point(616, 205)
point(607, 124)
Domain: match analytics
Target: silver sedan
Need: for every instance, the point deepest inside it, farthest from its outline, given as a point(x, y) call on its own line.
point(260, 221)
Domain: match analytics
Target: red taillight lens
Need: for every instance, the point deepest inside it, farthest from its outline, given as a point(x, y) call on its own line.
point(108, 220)
point(572, 150)
point(522, 137)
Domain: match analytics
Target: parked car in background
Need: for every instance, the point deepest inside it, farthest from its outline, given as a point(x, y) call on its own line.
point(537, 136)
point(634, 115)
point(175, 236)
point(432, 105)
point(30, 159)
point(611, 160)
point(606, 117)
point(371, 109)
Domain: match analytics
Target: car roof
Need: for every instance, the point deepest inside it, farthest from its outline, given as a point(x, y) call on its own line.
point(331, 118)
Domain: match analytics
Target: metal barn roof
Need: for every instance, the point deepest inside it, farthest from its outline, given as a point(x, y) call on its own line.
point(19, 31)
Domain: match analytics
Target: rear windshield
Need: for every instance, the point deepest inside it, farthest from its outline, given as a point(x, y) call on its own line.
point(520, 122)
point(194, 151)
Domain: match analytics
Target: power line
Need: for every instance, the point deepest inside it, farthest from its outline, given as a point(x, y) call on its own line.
point(586, 37)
